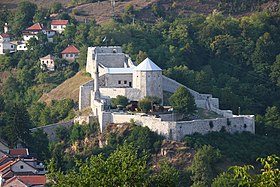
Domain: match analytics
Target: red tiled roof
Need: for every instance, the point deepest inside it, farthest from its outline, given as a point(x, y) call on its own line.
point(6, 165)
point(70, 49)
point(19, 152)
point(3, 158)
point(10, 180)
point(59, 22)
point(33, 179)
point(36, 26)
point(4, 35)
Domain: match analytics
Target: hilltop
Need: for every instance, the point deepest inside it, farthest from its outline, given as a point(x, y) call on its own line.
point(101, 11)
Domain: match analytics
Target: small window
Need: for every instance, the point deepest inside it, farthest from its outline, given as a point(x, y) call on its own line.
point(21, 167)
point(119, 82)
point(125, 82)
point(20, 46)
point(12, 46)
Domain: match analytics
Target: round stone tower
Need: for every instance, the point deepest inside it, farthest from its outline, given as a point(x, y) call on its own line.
point(147, 77)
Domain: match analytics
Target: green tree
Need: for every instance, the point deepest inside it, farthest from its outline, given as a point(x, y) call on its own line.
point(5, 62)
point(18, 125)
point(203, 165)
point(40, 144)
point(183, 101)
point(23, 16)
point(142, 138)
point(167, 176)
point(119, 100)
point(62, 133)
point(55, 7)
point(272, 117)
point(275, 71)
point(268, 175)
point(123, 167)
point(145, 105)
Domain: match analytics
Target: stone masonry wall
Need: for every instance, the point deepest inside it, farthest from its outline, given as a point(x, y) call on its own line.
point(177, 130)
point(50, 129)
point(84, 94)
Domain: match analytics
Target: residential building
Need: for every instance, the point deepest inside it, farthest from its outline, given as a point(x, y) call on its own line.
point(70, 53)
point(59, 25)
point(5, 44)
point(32, 31)
point(48, 62)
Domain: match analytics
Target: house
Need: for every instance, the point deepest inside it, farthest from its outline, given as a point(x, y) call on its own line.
point(18, 168)
point(47, 62)
point(59, 25)
point(26, 181)
point(20, 45)
point(70, 53)
point(32, 31)
point(5, 44)
point(19, 152)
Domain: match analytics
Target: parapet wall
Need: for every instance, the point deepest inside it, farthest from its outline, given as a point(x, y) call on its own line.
point(176, 130)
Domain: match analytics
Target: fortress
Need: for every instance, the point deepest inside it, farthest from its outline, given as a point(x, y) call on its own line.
point(114, 73)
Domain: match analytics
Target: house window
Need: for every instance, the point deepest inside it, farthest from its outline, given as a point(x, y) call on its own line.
point(125, 82)
point(21, 166)
point(12, 46)
point(54, 27)
point(120, 82)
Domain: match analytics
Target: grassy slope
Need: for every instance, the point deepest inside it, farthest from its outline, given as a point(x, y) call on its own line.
point(68, 89)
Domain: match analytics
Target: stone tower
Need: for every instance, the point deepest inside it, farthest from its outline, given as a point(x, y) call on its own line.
point(147, 77)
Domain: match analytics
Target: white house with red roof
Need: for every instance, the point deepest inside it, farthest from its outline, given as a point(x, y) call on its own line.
point(70, 53)
point(5, 44)
point(32, 31)
point(48, 62)
point(59, 25)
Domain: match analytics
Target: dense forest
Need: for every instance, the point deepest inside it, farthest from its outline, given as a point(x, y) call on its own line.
point(236, 59)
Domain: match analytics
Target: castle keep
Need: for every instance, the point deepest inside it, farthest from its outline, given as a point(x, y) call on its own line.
point(114, 73)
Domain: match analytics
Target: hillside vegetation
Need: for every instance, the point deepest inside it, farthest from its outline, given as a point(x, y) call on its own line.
point(67, 89)
point(232, 52)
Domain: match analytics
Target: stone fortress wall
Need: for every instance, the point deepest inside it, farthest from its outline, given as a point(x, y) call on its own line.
point(176, 130)
point(163, 125)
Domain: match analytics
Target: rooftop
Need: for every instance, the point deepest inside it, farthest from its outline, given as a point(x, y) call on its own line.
point(119, 70)
point(47, 57)
point(147, 65)
point(4, 35)
point(35, 27)
point(59, 22)
point(19, 152)
point(70, 49)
